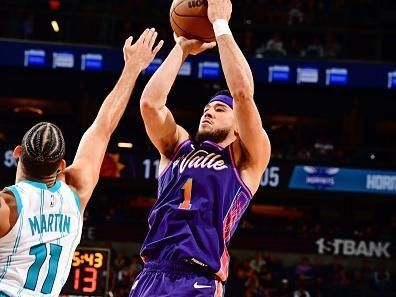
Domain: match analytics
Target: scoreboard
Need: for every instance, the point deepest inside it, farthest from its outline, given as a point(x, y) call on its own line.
point(324, 73)
point(89, 274)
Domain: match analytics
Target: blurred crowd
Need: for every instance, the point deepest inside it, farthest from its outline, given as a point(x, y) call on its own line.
point(376, 229)
point(267, 276)
point(379, 225)
point(318, 29)
point(297, 28)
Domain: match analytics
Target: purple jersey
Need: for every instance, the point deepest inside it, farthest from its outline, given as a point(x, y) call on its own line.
point(201, 199)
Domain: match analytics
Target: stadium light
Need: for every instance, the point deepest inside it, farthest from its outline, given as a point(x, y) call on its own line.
point(125, 145)
point(55, 26)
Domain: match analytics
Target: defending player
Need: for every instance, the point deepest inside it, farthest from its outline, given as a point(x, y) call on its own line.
point(41, 215)
point(205, 184)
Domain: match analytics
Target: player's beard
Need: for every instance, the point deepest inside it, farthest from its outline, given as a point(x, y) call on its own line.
point(216, 136)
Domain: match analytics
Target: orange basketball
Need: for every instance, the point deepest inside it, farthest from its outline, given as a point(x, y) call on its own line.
point(189, 18)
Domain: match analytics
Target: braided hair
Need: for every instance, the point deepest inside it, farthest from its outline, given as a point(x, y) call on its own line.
point(43, 148)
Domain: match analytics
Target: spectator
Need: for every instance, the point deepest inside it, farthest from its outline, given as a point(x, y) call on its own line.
point(273, 47)
point(332, 48)
point(252, 284)
point(119, 261)
point(294, 49)
point(257, 262)
point(267, 281)
point(382, 279)
point(134, 268)
point(296, 16)
point(284, 290)
point(304, 269)
point(314, 49)
point(362, 280)
point(301, 293)
point(275, 265)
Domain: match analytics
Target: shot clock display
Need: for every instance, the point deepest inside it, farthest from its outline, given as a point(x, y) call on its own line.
point(89, 274)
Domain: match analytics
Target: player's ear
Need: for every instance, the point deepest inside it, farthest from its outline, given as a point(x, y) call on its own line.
point(62, 166)
point(17, 152)
point(236, 130)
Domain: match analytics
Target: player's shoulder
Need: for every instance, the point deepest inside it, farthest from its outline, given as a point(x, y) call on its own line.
point(250, 167)
point(258, 157)
point(8, 211)
point(72, 178)
point(181, 144)
point(7, 197)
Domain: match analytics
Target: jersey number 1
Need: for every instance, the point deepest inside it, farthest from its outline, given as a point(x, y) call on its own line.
point(187, 195)
point(40, 253)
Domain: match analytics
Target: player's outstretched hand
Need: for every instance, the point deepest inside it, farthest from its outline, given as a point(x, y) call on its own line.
point(141, 52)
point(193, 46)
point(219, 9)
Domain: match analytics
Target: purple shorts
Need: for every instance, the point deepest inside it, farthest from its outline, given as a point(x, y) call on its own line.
point(175, 279)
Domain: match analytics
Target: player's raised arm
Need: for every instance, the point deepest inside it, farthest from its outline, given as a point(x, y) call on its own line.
point(83, 174)
point(160, 125)
point(253, 139)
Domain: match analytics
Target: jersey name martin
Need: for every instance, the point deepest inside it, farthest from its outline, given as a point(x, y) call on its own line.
point(50, 223)
point(200, 159)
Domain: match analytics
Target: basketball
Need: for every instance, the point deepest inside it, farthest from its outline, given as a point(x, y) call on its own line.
point(189, 18)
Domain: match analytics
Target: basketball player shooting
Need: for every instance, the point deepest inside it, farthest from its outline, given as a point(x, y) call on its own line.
point(206, 183)
point(41, 215)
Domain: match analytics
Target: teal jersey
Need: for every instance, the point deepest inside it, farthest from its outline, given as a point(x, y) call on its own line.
point(36, 255)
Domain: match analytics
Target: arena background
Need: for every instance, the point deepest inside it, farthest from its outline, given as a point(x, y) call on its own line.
point(323, 221)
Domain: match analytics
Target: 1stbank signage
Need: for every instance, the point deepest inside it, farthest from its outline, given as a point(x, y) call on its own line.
point(348, 247)
point(343, 179)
